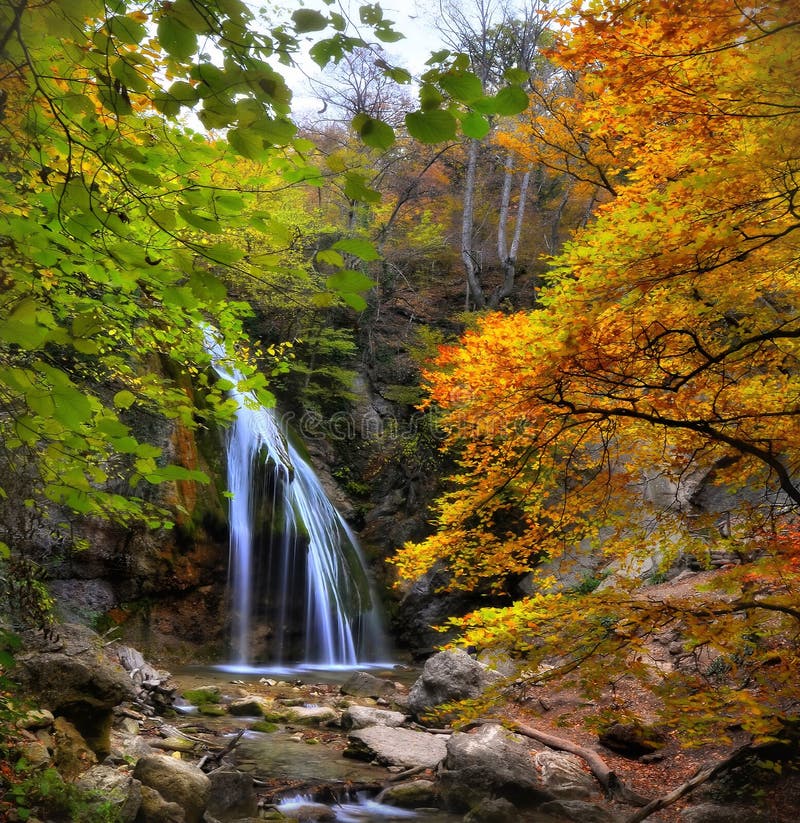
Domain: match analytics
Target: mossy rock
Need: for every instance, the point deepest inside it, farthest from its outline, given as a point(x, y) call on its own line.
point(264, 726)
point(212, 710)
point(203, 695)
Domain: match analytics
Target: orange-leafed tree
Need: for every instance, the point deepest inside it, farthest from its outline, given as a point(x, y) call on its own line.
point(667, 349)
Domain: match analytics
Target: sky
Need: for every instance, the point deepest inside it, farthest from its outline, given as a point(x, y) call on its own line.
point(413, 18)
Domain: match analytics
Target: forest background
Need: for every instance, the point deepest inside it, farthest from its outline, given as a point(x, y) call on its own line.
point(581, 226)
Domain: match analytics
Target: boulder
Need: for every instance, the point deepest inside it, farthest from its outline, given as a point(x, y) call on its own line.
point(397, 747)
point(363, 684)
point(493, 810)
point(232, 795)
point(34, 753)
point(310, 714)
point(362, 717)
point(490, 762)
point(411, 794)
point(714, 813)
point(72, 676)
point(155, 809)
point(36, 719)
point(577, 810)
point(115, 787)
point(251, 705)
point(446, 677)
point(176, 782)
point(632, 739)
point(563, 774)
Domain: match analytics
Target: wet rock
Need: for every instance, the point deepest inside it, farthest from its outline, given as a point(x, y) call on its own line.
point(491, 762)
point(232, 795)
point(362, 717)
point(493, 810)
point(115, 787)
point(155, 809)
point(412, 794)
point(577, 810)
point(307, 813)
point(252, 705)
point(310, 714)
point(397, 747)
point(363, 684)
point(176, 782)
point(446, 677)
point(564, 776)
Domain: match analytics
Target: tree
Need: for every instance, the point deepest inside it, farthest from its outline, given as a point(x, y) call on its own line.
point(668, 344)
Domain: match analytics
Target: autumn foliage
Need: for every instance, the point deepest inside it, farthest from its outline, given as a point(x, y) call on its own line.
point(665, 355)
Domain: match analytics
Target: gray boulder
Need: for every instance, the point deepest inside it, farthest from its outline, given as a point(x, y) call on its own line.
point(493, 810)
point(564, 775)
point(446, 677)
point(176, 782)
point(397, 747)
point(362, 717)
point(363, 684)
point(155, 809)
point(116, 787)
point(411, 794)
point(577, 810)
point(232, 795)
point(490, 762)
point(714, 813)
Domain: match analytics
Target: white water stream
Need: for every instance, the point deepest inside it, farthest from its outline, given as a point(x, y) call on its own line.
point(299, 579)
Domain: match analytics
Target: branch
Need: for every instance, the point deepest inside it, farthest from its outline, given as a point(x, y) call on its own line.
point(684, 788)
point(607, 778)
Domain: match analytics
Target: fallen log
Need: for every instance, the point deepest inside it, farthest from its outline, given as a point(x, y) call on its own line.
point(608, 779)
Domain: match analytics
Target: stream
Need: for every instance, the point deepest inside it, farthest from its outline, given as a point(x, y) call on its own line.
point(296, 764)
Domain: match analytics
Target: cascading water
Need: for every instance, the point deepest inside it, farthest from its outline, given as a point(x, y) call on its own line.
point(296, 570)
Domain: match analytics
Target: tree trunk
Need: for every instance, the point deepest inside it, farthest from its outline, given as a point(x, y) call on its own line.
point(471, 263)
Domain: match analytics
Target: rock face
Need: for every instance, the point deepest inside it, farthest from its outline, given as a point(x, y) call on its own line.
point(116, 787)
point(490, 762)
point(73, 678)
point(564, 776)
point(177, 782)
point(364, 684)
point(446, 677)
point(397, 747)
point(232, 795)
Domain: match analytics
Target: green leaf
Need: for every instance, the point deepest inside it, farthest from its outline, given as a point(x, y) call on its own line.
point(306, 20)
point(475, 125)
point(429, 97)
point(177, 40)
point(23, 327)
point(126, 30)
point(516, 76)
point(348, 280)
point(247, 143)
point(431, 126)
point(511, 100)
point(362, 249)
point(355, 301)
point(330, 257)
point(124, 399)
point(462, 85)
point(374, 133)
point(356, 188)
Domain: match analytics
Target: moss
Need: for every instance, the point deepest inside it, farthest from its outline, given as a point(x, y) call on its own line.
point(212, 710)
point(202, 696)
point(264, 726)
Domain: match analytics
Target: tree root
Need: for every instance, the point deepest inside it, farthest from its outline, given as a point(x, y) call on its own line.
point(608, 779)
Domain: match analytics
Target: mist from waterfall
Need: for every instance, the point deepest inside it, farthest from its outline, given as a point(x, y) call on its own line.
point(298, 589)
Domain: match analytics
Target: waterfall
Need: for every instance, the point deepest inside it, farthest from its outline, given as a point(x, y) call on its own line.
point(298, 588)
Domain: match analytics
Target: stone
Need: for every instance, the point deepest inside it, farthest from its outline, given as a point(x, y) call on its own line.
point(116, 787)
point(563, 774)
point(36, 719)
point(34, 752)
point(714, 813)
point(232, 795)
point(411, 794)
point(491, 762)
point(493, 810)
point(177, 782)
point(252, 705)
point(397, 747)
point(632, 739)
point(447, 677)
point(155, 809)
point(307, 812)
point(361, 717)
point(73, 755)
point(577, 810)
point(310, 714)
point(74, 678)
point(363, 684)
